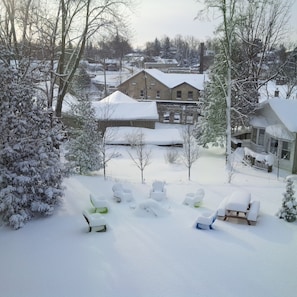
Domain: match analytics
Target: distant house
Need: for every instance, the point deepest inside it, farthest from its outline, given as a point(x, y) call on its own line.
point(274, 132)
point(119, 110)
point(161, 64)
point(177, 95)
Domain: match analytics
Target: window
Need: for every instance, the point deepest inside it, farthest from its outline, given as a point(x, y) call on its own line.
point(166, 117)
point(258, 136)
point(190, 95)
point(261, 137)
point(176, 118)
point(189, 119)
point(178, 94)
point(286, 150)
point(158, 94)
point(273, 146)
point(254, 135)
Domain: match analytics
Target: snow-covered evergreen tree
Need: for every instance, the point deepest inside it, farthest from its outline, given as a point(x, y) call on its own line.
point(84, 150)
point(211, 127)
point(30, 170)
point(288, 211)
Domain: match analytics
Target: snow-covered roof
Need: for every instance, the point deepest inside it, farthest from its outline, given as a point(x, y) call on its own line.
point(267, 91)
point(259, 121)
point(118, 97)
point(172, 80)
point(286, 111)
point(115, 109)
point(280, 132)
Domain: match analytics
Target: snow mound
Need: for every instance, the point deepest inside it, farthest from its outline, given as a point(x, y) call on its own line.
point(151, 208)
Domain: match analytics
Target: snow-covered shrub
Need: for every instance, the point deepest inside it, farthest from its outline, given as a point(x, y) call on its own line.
point(171, 156)
point(29, 152)
point(288, 211)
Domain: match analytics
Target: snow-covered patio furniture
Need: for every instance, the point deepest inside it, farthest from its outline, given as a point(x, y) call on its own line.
point(152, 208)
point(253, 212)
point(121, 194)
point(95, 220)
point(205, 221)
point(222, 209)
point(239, 206)
point(261, 161)
point(194, 199)
point(100, 204)
point(158, 191)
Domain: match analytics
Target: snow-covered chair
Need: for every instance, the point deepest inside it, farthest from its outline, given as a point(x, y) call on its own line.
point(100, 204)
point(206, 221)
point(95, 220)
point(158, 191)
point(194, 199)
point(121, 194)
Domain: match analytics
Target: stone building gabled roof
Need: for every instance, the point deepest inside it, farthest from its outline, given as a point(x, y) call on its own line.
point(172, 80)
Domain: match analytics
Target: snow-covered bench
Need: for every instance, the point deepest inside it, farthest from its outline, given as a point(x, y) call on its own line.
point(95, 220)
point(253, 212)
point(222, 208)
point(206, 221)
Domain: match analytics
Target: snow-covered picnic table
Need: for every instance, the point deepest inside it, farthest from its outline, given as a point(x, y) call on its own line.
point(239, 205)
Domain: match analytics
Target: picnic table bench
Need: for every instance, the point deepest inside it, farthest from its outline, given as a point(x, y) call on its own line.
point(239, 206)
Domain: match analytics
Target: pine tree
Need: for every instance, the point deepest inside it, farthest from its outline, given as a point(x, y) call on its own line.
point(84, 150)
point(288, 211)
point(211, 127)
point(30, 170)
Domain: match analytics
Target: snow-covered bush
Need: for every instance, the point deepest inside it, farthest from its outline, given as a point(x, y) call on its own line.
point(288, 211)
point(172, 155)
point(30, 168)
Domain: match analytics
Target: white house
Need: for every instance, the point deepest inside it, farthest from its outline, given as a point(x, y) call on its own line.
point(274, 131)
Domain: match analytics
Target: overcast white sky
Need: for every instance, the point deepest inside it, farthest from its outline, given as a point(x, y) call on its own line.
point(157, 18)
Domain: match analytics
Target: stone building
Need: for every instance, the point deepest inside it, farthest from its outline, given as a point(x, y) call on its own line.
point(178, 95)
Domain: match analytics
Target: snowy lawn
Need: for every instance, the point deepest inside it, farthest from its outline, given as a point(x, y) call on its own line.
point(142, 255)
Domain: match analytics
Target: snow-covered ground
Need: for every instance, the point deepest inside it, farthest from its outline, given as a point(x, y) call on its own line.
point(147, 256)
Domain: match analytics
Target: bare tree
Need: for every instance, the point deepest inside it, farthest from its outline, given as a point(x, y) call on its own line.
point(142, 155)
point(190, 152)
point(107, 153)
point(60, 30)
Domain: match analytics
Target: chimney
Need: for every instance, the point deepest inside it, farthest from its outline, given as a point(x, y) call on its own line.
point(201, 66)
point(276, 93)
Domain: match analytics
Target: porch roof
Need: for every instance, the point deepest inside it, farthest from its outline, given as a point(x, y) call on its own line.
point(279, 131)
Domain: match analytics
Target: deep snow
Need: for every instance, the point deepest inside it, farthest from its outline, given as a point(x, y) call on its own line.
point(147, 256)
